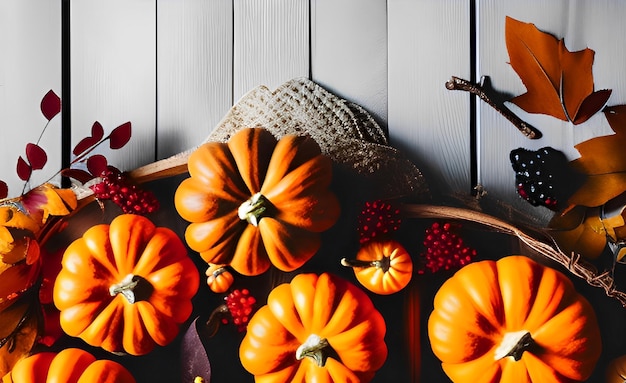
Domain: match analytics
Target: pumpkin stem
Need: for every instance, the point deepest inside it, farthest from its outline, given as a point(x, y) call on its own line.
point(316, 348)
point(514, 344)
point(384, 263)
point(254, 209)
point(132, 288)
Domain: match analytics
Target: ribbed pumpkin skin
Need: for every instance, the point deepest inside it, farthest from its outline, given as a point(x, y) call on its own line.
point(104, 256)
point(487, 299)
point(616, 371)
point(324, 305)
point(378, 280)
point(291, 174)
point(72, 365)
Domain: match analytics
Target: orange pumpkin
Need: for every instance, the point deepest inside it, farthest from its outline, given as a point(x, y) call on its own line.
point(219, 279)
point(383, 267)
point(513, 320)
point(126, 286)
point(316, 328)
point(255, 201)
point(616, 370)
point(72, 365)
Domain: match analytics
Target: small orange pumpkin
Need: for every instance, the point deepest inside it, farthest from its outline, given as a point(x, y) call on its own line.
point(126, 286)
point(513, 320)
point(219, 278)
point(255, 202)
point(316, 328)
point(71, 365)
point(383, 267)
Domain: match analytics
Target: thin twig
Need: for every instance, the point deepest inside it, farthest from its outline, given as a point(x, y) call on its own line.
point(456, 83)
point(572, 262)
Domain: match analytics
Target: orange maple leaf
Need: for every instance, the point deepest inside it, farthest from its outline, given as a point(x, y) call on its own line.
point(558, 82)
point(603, 161)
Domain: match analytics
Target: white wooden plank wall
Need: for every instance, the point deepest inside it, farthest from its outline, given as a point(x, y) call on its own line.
point(428, 43)
point(194, 71)
point(113, 49)
point(173, 68)
point(30, 65)
point(582, 24)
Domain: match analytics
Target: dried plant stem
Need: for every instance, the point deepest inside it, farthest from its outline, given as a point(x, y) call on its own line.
point(573, 262)
point(456, 83)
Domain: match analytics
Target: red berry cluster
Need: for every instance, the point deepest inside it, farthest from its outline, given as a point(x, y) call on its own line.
point(118, 188)
point(377, 218)
point(444, 249)
point(240, 305)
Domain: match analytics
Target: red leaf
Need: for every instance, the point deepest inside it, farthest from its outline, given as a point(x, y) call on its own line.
point(23, 169)
point(4, 190)
point(36, 156)
point(97, 164)
point(50, 105)
point(120, 136)
point(79, 175)
point(97, 132)
point(591, 104)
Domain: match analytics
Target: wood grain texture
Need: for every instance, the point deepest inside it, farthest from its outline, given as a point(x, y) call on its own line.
point(428, 43)
point(113, 62)
point(271, 43)
point(349, 51)
point(30, 65)
point(581, 24)
point(194, 71)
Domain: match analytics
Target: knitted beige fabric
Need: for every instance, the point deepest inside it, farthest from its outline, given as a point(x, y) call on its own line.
point(344, 131)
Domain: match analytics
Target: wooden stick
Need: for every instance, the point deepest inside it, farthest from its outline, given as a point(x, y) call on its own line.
point(456, 83)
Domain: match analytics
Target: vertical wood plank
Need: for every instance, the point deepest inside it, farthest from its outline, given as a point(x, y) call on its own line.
point(349, 51)
point(194, 71)
point(271, 43)
point(428, 43)
point(113, 63)
point(30, 47)
point(581, 24)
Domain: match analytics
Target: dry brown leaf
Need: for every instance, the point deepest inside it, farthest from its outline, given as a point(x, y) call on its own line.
point(558, 82)
point(19, 326)
point(579, 231)
point(603, 161)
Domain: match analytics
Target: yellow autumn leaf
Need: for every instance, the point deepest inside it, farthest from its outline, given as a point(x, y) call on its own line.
point(59, 202)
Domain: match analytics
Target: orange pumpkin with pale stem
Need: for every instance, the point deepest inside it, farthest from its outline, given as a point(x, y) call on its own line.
point(255, 202)
point(315, 329)
point(126, 286)
point(219, 279)
point(71, 365)
point(383, 267)
point(513, 320)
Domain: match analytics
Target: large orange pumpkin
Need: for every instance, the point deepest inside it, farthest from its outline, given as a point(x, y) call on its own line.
point(315, 329)
point(255, 201)
point(513, 320)
point(126, 286)
point(72, 365)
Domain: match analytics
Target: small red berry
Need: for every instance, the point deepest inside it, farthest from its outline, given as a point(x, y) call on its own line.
point(130, 198)
point(378, 218)
point(240, 305)
point(444, 249)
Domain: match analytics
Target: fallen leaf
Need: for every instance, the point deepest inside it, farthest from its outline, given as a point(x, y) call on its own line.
point(558, 82)
point(603, 162)
point(579, 231)
point(194, 359)
point(19, 330)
